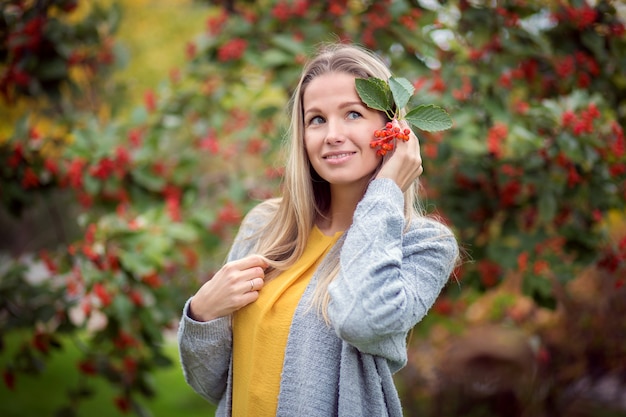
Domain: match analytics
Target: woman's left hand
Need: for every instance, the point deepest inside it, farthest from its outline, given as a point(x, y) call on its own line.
point(404, 166)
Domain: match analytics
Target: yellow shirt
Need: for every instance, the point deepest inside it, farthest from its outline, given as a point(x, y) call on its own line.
point(260, 332)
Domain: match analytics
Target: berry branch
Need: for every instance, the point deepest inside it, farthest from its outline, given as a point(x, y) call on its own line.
point(390, 97)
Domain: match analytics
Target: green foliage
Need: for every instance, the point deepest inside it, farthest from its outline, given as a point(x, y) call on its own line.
point(429, 118)
point(376, 94)
point(527, 175)
point(394, 95)
point(41, 46)
point(61, 376)
point(401, 90)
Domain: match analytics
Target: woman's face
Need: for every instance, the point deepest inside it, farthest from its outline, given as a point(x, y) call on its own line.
point(338, 129)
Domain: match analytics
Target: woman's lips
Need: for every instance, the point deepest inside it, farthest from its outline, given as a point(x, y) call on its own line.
point(337, 157)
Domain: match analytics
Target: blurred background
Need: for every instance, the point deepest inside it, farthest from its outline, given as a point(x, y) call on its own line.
point(135, 134)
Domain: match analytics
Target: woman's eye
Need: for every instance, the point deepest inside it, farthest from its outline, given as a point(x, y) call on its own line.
point(316, 120)
point(354, 115)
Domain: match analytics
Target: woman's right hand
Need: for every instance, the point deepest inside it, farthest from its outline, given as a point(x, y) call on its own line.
point(234, 286)
point(404, 166)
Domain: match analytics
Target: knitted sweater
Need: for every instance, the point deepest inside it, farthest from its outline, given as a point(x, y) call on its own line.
point(389, 278)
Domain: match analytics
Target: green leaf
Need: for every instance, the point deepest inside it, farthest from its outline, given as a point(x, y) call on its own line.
point(402, 90)
point(122, 307)
point(139, 115)
point(429, 118)
point(91, 184)
point(65, 412)
point(162, 360)
point(274, 58)
point(375, 93)
point(595, 43)
point(147, 179)
point(287, 43)
point(135, 263)
point(547, 206)
point(183, 232)
point(52, 70)
point(156, 248)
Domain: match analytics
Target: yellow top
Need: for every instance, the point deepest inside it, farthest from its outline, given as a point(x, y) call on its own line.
point(260, 332)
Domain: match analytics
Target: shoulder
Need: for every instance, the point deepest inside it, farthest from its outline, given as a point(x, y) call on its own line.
point(253, 225)
point(259, 216)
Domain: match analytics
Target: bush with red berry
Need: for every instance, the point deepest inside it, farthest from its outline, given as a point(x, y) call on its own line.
point(531, 177)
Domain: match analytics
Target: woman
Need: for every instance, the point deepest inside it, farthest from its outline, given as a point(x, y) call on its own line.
point(310, 314)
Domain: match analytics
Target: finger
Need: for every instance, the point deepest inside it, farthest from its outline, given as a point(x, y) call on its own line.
point(409, 147)
point(246, 268)
point(250, 261)
point(258, 283)
point(413, 137)
point(247, 298)
point(413, 141)
point(254, 285)
point(403, 124)
point(250, 274)
point(249, 285)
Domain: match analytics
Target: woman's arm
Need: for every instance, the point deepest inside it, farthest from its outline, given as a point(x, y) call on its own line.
point(205, 334)
point(205, 352)
point(389, 278)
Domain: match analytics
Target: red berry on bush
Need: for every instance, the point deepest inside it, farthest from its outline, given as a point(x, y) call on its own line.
point(385, 138)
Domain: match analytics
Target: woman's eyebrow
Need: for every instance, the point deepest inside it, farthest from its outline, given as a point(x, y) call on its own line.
point(350, 103)
point(341, 106)
point(311, 110)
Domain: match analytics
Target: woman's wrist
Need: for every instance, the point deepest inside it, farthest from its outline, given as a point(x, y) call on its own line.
point(195, 315)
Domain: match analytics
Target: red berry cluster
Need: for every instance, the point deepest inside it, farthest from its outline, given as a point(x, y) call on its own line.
point(384, 141)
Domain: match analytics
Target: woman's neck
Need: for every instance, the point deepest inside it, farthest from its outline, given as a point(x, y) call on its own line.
point(343, 202)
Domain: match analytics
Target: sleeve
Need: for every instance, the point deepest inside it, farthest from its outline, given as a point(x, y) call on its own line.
point(205, 348)
point(389, 277)
point(205, 352)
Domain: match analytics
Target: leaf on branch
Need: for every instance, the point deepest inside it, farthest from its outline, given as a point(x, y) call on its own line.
point(375, 93)
point(429, 118)
point(402, 90)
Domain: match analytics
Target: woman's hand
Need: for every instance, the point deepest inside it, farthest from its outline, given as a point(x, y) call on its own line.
point(405, 164)
point(234, 286)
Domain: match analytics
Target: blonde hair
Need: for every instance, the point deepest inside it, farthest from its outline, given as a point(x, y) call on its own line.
point(283, 237)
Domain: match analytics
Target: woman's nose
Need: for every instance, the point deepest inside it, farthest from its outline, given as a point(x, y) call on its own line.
point(334, 133)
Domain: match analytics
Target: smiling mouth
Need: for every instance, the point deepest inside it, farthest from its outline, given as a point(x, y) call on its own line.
point(339, 155)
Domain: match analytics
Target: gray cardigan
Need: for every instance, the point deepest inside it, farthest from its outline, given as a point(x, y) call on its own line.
point(388, 279)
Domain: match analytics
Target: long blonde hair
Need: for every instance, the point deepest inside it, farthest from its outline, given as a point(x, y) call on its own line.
point(283, 238)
